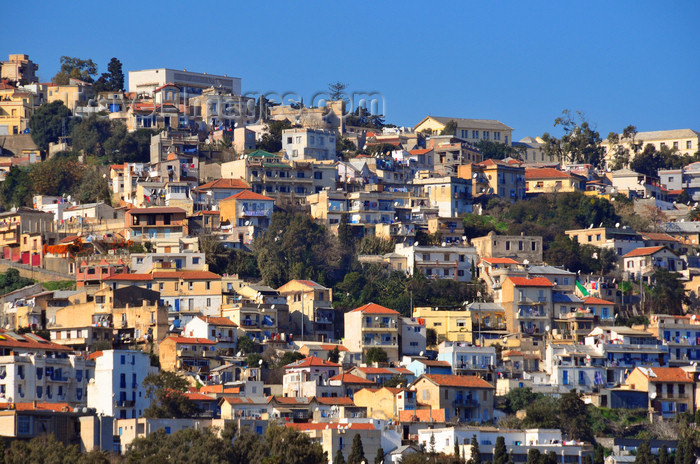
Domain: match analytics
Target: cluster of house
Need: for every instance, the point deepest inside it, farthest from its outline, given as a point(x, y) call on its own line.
point(133, 313)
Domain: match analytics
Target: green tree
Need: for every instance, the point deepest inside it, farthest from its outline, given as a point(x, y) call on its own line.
point(90, 134)
point(296, 247)
point(255, 360)
point(520, 398)
point(345, 236)
point(450, 128)
point(500, 454)
point(112, 80)
point(376, 355)
point(430, 337)
point(339, 458)
point(43, 450)
point(533, 456)
point(75, 68)
point(667, 295)
point(543, 413)
point(396, 380)
point(93, 187)
point(379, 458)
point(497, 150)
point(475, 457)
point(290, 357)
point(336, 89)
point(271, 141)
point(573, 417)
point(168, 390)
point(334, 355)
point(664, 458)
point(49, 122)
point(16, 189)
point(357, 453)
point(246, 345)
point(644, 455)
point(373, 245)
point(56, 176)
point(586, 459)
point(579, 144)
point(599, 455)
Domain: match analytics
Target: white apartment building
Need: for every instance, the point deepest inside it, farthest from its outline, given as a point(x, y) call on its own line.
point(439, 262)
point(309, 144)
point(44, 377)
point(145, 81)
point(117, 389)
point(412, 335)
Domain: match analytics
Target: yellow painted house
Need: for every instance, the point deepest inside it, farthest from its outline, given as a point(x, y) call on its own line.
point(550, 180)
point(16, 107)
point(470, 130)
point(385, 403)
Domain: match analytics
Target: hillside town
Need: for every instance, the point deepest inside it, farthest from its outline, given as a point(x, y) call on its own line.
point(181, 259)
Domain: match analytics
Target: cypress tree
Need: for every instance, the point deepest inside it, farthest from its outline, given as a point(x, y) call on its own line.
point(500, 454)
point(357, 452)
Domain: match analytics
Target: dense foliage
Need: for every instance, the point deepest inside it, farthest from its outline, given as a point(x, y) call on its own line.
point(11, 281)
point(168, 390)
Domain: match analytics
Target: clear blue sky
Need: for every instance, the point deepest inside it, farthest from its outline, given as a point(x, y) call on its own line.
point(522, 62)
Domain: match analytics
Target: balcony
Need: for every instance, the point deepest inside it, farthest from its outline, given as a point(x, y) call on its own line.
point(461, 402)
point(382, 326)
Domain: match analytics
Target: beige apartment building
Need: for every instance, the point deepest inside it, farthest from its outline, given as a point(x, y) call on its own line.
point(683, 141)
point(518, 247)
point(500, 178)
point(373, 326)
point(470, 130)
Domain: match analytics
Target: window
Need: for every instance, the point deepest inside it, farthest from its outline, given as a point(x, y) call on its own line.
point(486, 135)
point(534, 246)
point(688, 145)
point(475, 134)
point(675, 145)
point(190, 286)
point(497, 136)
point(312, 140)
point(195, 260)
point(289, 139)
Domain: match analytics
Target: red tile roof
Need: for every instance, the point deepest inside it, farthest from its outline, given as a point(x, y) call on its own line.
point(30, 406)
point(499, 260)
point(213, 320)
point(643, 251)
point(224, 184)
point(659, 236)
point(373, 308)
point(467, 381)
point(422, 415)
point(194, 396)
point(530, 282)
point(421, 151)
point(248, 195)
point(241, 400)
point(186, 275)
point(190, 341)
point(339, 401)
point(219, 389)
point(157, 210)
point(329, 425)
point(351, 378)
point(545, 173)
point(431, 363)
point(332, 347)
point(29, 342)
point(591, 300)
point(666, 374)
point(311, 361)
point(129, 277)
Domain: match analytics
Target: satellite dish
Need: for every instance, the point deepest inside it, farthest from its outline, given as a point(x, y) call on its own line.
point(238, 355)
point(652, 395)
point(546, 328)
point(260, 362)
point(617, 225)
point(247, 223)
point(420, 354)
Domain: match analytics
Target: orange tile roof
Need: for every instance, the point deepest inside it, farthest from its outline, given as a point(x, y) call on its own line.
point(190, 341)
point(157, 210)
point(511, 353)
point(30, 406)
point(373, 308)
point(666, 374)
point(194, 396)
point(339, 401)
point(186, 275)
point(530, 282)
point(129, 277)
point(468, 381)
point(248, 195)
point(241, 400)
point(224, 184)
point(289, 400)
point(351, 378)
point(332, 347)
point(219, 389)
point(431, 363)
point(213, 320)
point(499, 260)
point(329, 425)
point(545, 173)
point(311, 361)
point(422, 415)
point(643, 251)
point(420, 151)
point(32, 342)
point(594, 301)
point(659, 236)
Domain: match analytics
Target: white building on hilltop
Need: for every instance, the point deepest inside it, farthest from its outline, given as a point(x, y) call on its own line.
point(146, 81)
